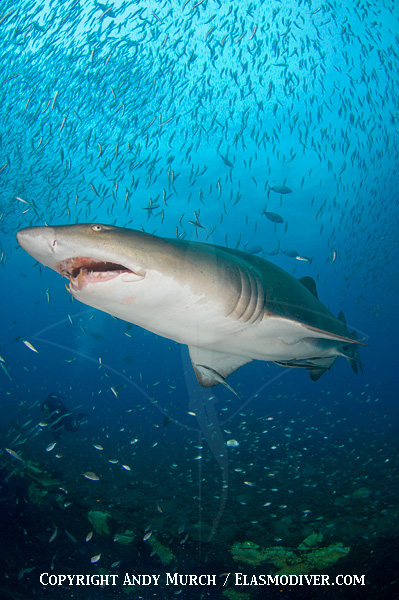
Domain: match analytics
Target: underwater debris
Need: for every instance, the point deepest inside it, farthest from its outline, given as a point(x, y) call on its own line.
point(324, 557)
point(200, 531)
point(29, 468)
point(312, 540)
point(36, 494)
point(302, 560)
point(232, 594)
point(255, 555)
point(125, 538)
point(99, 521)
point(40, 476)
point(164, 553)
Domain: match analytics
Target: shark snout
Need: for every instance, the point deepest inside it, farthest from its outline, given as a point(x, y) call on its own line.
point(39, 242)
point(23, 237)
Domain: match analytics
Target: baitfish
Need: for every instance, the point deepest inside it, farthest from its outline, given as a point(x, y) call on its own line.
point(274, 217)
point(281, 189)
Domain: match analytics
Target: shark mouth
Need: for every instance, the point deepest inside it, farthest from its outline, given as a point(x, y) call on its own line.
point(82, 270)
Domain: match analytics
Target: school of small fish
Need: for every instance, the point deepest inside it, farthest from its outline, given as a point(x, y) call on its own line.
point(267, 126)
point(178, 118)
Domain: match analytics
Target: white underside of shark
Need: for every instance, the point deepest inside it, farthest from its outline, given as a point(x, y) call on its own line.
point(228, 307)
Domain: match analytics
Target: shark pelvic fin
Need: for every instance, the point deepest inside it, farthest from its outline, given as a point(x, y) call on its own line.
point(316, 366)
point(212, 367)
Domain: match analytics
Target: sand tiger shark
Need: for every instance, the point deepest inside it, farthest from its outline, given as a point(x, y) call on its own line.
point(227, 306)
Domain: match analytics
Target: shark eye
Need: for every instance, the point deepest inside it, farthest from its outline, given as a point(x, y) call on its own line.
point(97, 227)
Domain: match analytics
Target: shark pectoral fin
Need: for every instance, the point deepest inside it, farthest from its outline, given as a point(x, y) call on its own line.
point(212, 367)
point(316, 332)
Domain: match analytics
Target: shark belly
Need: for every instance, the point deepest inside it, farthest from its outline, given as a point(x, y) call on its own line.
point(277, 339)
point(177, 313)
point(163, 307)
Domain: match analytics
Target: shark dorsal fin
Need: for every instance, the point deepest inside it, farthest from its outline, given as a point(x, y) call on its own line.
point(341, 317)
point(309, 284)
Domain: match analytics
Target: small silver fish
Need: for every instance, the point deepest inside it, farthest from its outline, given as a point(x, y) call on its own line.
point(254, 249)
point(22, 200)
point(53, 535)
point(184, 540)
point(304, 258)
point(13, 454)
point(92, 476)
point(274, 217)
point(29, 345)
point(291, 253)
point(281, 189)
point(95, 558)
point(232, 443)
point(71, 537)
point(5, 369)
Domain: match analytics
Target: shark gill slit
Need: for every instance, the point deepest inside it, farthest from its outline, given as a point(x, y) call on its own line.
point(238, 309)
point(250, 302)
point(258, 299)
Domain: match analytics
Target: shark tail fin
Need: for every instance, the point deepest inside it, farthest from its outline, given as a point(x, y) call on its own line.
point(351, 351)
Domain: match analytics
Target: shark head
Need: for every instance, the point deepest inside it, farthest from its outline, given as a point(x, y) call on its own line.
point(126, 273)
point(109, 268)
point(86, 254)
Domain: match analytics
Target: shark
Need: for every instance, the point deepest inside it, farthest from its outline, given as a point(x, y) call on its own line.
point(227, 306)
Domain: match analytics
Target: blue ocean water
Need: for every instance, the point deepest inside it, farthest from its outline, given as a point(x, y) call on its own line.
point(270, 127)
